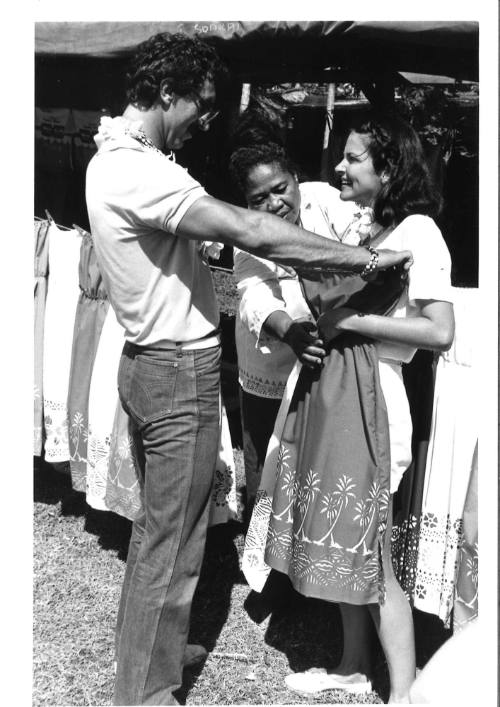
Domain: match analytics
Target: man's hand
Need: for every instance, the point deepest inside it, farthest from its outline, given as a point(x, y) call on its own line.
point(391, 258)
point(302, 337)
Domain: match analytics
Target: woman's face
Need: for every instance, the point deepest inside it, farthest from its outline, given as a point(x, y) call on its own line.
point(359, 181)
point(271, 188)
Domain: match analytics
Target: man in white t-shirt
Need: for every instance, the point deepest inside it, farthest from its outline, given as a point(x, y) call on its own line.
point(149, 220)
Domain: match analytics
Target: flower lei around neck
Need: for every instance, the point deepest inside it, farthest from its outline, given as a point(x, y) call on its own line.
point(119, 127)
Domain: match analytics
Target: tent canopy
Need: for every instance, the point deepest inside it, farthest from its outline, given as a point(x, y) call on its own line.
point(276, 51)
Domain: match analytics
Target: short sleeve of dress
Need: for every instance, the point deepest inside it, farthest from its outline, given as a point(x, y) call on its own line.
point(430, 274)
point(163, 193)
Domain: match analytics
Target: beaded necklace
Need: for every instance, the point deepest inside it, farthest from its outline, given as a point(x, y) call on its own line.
point(141, 137)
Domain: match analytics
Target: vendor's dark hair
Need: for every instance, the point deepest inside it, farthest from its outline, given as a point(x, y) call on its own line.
point(396, 150)
point(244, 159)
point(185, 61)
point(256, 140)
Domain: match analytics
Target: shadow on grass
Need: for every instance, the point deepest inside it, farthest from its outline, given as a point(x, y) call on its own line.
point(310, 632)
point(307, 631)
point(211, 602)
point(52, 485)
point(430, 635)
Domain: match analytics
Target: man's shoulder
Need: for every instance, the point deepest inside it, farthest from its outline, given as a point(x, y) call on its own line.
point(124, 152)
point(141, 166)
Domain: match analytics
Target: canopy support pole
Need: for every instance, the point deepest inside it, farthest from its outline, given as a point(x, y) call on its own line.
point(245, 96)
point(330, 105)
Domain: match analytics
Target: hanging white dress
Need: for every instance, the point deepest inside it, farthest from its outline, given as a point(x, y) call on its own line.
point(60, 308)
point(450, 461)
point(41, 254)
point(223, 505)
point(103, 402)
point(89, 319)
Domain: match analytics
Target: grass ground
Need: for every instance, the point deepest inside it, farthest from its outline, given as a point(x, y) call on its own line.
point(79, 561)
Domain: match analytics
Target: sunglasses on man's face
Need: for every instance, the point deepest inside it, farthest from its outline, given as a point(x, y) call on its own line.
point(205, 119)
point(206, 113)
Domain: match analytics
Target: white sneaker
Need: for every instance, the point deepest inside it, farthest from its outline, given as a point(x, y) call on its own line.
point(317, 679)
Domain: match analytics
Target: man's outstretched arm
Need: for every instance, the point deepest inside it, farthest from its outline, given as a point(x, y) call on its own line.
point(273, 238)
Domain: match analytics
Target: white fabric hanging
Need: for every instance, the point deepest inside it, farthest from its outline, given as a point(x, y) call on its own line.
point(453, 439)
point(41, 265)
point(224, 505)
point(103, 401)
point(60, 307)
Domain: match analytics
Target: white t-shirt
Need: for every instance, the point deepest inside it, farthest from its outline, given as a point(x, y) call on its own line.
point(158, 284)
point(429, 278)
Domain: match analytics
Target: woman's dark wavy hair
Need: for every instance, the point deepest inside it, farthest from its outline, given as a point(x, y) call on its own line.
point(256, 140)
point(186, 62)
point(396, 150)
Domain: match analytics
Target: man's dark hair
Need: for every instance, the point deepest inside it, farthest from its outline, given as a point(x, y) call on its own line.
point(244, 159)
point(186, 62)
point(395, 149)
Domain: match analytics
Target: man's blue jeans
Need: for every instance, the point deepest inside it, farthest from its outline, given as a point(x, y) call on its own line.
point(172, 398)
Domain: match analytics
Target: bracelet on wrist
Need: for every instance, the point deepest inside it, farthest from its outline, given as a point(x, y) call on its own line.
point(371, 264)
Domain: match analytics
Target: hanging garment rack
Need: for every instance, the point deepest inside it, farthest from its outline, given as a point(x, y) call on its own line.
point(80, 231)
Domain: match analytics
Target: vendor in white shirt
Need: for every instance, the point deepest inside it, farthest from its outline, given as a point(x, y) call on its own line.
point(274, 326)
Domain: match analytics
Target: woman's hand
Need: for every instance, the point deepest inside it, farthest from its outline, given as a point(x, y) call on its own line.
point(302, 337)
point(300, 334)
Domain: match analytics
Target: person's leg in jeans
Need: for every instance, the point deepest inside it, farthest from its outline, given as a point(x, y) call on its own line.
point(174, 399)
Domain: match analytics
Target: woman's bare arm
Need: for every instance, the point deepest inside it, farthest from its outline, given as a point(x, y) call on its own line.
point(433, 329)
